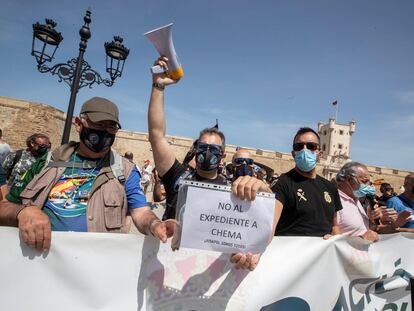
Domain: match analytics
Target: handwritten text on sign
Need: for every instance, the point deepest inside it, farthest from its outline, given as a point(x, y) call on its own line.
point(217, 220)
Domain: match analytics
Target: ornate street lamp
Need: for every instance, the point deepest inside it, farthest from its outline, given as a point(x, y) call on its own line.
point(76, 72)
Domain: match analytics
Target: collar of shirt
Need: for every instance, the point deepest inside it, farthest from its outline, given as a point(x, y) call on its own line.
point(347, 197)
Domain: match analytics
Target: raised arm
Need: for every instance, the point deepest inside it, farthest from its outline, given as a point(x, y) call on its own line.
point(163, 154)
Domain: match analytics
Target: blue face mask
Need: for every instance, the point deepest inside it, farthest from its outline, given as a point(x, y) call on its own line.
point(305, 160)
point(364, 190)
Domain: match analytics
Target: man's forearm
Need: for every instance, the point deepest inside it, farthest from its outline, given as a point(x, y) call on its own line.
point(8, 213)
point(143, 219)
point(156, 115)
point(162, 152)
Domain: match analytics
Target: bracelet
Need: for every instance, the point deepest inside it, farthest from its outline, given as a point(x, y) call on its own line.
point(19, 209)
point(158, 86)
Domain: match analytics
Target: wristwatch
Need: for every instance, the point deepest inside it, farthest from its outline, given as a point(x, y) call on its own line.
point(159, 86)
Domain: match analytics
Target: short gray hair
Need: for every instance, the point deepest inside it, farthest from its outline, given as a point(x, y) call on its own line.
point(349, 169)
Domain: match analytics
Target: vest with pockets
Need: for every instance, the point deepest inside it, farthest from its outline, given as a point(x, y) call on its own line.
point(107, 205)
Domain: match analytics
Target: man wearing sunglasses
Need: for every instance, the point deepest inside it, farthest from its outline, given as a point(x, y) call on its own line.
point(242, 164)
point(308, 201)
point(209, 152)
point(82, 186)
point(18, 162)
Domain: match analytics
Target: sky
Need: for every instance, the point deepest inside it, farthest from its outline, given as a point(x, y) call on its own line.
point(263, 68)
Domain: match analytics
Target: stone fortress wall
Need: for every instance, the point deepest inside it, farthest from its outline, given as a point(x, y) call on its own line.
point(21, 118)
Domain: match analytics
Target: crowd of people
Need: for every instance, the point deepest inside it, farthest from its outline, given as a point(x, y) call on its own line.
point(87, 186)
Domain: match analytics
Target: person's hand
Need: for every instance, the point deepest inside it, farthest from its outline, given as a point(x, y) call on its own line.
point(370, 236)
point(389, 215)
point(327, 236)
point(176, 240)
point(402, 218)
point(171, 226)
point(162, 78)
point(35, 228)
point(246, 187)
point(375, 212)
point(159, 229)
point(245, 261)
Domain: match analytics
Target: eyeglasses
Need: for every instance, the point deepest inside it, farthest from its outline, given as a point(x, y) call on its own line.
point(239, 161)
point(109, 127)
point(213, 148)
point(364, 181)
point(45, 146)
point(310, 146)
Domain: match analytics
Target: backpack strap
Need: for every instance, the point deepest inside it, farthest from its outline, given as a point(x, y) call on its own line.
point(115, 163)
point(116, 167)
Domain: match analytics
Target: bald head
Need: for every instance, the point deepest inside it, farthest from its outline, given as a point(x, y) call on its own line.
point(242, 153)
point(409, 186)
point(409, 178)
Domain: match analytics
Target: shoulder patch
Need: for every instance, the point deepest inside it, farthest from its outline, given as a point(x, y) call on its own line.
point(327, 197)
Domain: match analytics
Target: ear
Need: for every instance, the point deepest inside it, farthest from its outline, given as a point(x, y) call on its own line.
point(78, 124)
point(320, 154)
point(223, 156)
point(292, 153)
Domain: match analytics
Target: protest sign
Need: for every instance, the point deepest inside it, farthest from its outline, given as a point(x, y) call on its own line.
point(213, 218)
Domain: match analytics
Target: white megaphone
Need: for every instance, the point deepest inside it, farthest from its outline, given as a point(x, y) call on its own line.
point(161, 38)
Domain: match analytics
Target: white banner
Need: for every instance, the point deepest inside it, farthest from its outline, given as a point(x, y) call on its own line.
point(93, 271)
point(219, 221)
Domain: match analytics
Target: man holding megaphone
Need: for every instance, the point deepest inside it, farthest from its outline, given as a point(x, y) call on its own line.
point(210, 149)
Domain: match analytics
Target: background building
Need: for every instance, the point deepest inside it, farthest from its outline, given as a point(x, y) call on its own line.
point(21, 118)
point(336, 142)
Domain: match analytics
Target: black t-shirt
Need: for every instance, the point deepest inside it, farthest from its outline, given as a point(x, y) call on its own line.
point(170, 181)
point(309, 204)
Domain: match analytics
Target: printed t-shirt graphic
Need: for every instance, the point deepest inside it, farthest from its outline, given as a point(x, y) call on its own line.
point(67, 201)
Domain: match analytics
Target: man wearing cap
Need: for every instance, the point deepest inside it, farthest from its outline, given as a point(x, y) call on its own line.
point(81, 186)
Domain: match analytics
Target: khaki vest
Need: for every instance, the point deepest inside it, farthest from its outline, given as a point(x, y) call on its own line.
point(107, 206)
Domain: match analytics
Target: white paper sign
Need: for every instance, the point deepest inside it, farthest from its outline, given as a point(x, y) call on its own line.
point(217, 220)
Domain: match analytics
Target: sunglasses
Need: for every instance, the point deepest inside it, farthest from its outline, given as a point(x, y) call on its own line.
point(239, 161)
point(45, 146)
point(310, 146)
point(213, 148)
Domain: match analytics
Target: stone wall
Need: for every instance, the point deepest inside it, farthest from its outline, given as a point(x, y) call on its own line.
point(20, 118)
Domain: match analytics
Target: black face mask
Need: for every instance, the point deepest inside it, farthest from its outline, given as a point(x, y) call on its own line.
point(242, 170)
point(42, 150)
point(95, 140)
point(207, 161)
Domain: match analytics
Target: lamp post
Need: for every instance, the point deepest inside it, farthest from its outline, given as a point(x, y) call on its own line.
point(77, 73)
